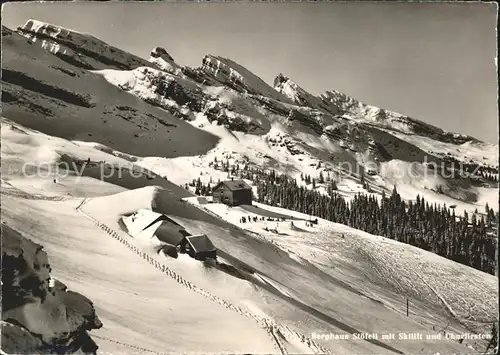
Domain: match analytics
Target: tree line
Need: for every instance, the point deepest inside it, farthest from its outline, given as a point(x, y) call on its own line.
point(468, 240)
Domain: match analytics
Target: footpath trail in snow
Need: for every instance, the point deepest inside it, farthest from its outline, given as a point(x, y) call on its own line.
point(137, 304)
point(138, 349)
point(276, 331)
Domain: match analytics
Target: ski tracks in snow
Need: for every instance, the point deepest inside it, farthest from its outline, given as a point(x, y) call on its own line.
point(11, 190)
point(441, 298)
point(275, 330)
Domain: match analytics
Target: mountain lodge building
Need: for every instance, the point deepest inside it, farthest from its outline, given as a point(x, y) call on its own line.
point(232, 193)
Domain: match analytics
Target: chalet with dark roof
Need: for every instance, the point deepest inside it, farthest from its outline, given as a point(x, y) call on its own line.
point(232, 193)
point(178, 240)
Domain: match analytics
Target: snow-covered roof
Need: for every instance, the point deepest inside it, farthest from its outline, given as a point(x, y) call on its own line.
point(200, 243)
point(156, 220)
point(170, 233)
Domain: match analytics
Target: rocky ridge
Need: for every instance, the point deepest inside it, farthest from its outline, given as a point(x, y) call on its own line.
point(39, 314)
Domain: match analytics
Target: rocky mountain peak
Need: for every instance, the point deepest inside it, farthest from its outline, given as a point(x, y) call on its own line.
point(164, 61)
point(280, 79)
point(160, 52)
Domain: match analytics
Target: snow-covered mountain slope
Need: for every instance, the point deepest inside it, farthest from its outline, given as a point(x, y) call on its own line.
point(141, 309)
point(81, 49)
point(125, 327)
point(341, 104)
point(292, 142)
point(230, 112)
point(196, 306)
point(41, 91)
point(382, 267)
point(472, 152)
point(389, 119)
point(327, 303)
point(298, 297)
point(178, 96)
point(160, 297)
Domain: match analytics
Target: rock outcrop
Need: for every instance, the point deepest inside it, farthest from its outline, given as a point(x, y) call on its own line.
point(179, 96)
point(238, 78)
point(301, 97)
point(39, 314)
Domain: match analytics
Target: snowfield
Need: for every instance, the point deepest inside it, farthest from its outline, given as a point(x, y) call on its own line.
point(301, 283)
point(138, 306)
point(379, 265)
point(412, 179)
point(485, 153)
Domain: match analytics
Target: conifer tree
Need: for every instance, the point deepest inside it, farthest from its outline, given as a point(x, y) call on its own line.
point(321, 179)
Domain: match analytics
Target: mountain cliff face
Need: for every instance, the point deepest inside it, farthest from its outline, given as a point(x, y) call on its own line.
point(39, 315)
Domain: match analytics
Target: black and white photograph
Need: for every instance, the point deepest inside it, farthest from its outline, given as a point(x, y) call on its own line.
point(249, 178)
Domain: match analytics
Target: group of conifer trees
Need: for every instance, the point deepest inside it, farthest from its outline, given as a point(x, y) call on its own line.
point(468, 240)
